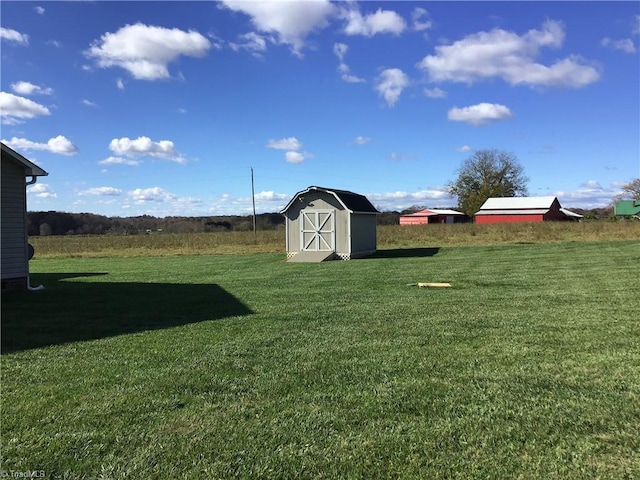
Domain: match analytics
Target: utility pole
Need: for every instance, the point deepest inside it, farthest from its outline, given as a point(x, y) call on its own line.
point(253, 200)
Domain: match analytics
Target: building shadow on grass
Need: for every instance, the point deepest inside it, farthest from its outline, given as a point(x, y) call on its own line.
point(405, 252)
point(81, 309)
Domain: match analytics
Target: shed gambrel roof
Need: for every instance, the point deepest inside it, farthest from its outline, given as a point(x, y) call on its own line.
point(354, 202)
point(31, 169)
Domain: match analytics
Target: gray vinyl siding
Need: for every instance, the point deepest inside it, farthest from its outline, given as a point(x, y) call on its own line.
point(363, 233)
point(14, 259)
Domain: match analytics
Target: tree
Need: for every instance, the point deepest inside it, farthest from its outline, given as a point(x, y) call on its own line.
point(630, 191)
point(487, 173)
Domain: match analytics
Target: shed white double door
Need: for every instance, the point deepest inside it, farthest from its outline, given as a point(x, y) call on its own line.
point(317, 231)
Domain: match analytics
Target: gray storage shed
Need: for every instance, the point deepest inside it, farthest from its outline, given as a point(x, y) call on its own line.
point(15, 246)
point(327, 224)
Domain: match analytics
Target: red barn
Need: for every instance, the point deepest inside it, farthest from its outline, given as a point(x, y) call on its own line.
point(432, 215)
point(523, 209)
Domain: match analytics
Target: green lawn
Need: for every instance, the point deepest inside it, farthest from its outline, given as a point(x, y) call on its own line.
point(245, 366)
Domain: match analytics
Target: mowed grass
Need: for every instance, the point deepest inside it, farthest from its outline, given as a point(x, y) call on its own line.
point(244, 366)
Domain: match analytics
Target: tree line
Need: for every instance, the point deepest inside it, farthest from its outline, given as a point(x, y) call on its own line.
point(64, 223)
point(486, 173)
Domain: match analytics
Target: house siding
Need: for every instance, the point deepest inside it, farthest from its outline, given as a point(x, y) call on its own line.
point(14, 257)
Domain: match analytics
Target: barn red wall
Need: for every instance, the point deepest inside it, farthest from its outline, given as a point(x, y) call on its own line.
point(413, 220)
point(508, 218)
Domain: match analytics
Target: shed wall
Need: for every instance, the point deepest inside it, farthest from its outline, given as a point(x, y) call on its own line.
point(413, 220)
point(14, 253)
point(627, 208)
point(363, 233)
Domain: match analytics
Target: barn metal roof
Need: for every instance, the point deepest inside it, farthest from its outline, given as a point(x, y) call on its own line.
point(351, 201)
point(569, 213)
point(504, 203)
point(430, 212)
point(522, 206)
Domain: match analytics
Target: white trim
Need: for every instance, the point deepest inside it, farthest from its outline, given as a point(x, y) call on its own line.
point(540, 211)
point(318, 242)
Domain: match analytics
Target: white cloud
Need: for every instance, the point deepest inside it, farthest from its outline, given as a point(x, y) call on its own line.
point(145, 147)
point(153, 194)
point(89, 103)
point(103, 191)
point(400, 200)
point(297, 157)
point(60, 145)
point(420, 19)
point(509, 56)
point(340, 50)
point(27, 88)
point(362, 140)
point(290, 22)
point(15, 109)
point(590, 195)
point(293, 145)
point(435, 92)
point(390, 84)
point(119, 161)
point(479, 114)
point(382, 21)
point(42, 190)
point(290, 143)
point(348, 78)
point(145, 51)
point(251, 42)
point(120, 84)
point(464, 149)
point(39, 10)
point(399, 157)
point(14, 36)
point(592, 185)
point(626, 45)
point(271, 196)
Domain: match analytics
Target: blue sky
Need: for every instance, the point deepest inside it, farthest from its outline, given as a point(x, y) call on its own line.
point(162, 108)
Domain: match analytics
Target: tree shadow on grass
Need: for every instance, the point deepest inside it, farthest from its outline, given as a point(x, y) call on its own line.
point(81, 309)
point(405, 252)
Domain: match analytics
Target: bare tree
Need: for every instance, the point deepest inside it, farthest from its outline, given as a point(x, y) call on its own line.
point(630, 191)
point(488, 173)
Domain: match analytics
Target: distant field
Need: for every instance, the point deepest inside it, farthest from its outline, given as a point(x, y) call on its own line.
point(273, 241)
point(245, 366)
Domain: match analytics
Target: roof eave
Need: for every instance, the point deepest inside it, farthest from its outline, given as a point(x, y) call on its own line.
point(31, 169)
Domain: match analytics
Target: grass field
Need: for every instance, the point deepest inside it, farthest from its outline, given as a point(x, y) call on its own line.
point(273, 241)
point(244, 366)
